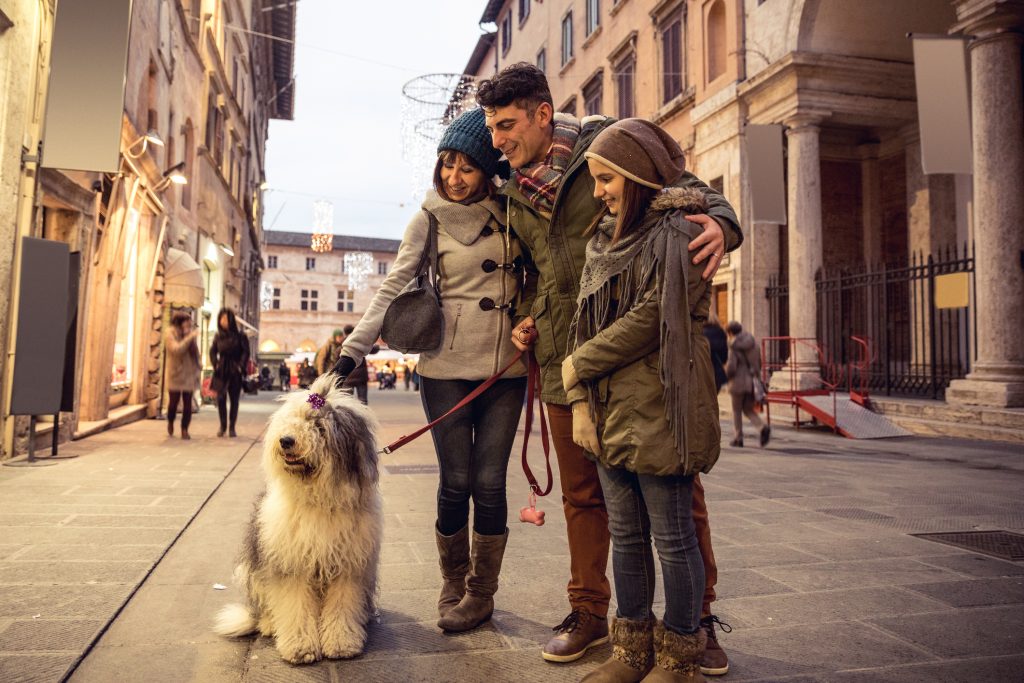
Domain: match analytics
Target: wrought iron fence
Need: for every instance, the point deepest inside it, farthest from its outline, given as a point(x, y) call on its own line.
point(918, 343)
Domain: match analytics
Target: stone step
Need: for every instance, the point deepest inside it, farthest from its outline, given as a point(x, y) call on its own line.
point(1000, 418)
point(961, 430)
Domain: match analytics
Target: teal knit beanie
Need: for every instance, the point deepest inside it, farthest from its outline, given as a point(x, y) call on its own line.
point(468, 134)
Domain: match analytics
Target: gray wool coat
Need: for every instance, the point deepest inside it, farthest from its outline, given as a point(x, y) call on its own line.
point(477, 343)
point(182, 366)
point(744, 364)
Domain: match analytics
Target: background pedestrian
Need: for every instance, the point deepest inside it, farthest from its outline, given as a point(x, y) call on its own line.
point(744, 370)
point(182, 372)
point(284, 373)
point(229, 354)
point(719, 349)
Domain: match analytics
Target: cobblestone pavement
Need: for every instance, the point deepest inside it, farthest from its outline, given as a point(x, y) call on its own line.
point(114, 556)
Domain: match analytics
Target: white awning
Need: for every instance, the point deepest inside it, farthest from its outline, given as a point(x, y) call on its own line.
point(249, 329)
point(183, 280)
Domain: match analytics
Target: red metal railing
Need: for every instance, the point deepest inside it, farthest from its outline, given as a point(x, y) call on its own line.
point(799, 364)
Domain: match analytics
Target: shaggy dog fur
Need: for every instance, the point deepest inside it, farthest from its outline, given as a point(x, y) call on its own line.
point(309, 565)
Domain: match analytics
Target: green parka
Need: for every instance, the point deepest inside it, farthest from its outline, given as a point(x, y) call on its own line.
point(622, 360)
point(556, 249)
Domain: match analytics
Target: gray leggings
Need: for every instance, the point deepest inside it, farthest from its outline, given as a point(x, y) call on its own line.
point(743, 404)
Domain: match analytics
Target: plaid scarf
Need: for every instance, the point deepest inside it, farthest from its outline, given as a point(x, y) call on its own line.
point(539, 182)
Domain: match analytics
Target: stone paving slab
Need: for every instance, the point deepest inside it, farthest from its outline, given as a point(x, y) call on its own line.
point(80, 536)
point(818, 574)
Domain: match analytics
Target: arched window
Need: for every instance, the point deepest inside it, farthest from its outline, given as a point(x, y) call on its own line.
point(307, 346)
point(716, 47)
point(269, 346)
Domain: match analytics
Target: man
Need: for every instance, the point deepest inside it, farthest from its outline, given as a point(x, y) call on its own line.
point(551, 207)
point(329, 353)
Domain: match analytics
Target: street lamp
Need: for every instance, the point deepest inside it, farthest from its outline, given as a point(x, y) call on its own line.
point(172, 175)
point(323, 227)
point(144, 141)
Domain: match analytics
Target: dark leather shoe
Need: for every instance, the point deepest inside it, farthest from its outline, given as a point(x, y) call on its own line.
point(766, 433)
point(577, 633)
point(714, 662)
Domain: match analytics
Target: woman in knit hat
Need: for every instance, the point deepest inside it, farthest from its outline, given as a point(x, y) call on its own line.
point(481, 271)
point(642, 390)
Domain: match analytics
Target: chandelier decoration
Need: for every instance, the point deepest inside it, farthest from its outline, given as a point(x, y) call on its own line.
point(429, 103)
point(323, 227)
point(358, 265)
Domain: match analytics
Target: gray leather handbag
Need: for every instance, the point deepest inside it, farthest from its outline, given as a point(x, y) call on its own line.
point(414, 322)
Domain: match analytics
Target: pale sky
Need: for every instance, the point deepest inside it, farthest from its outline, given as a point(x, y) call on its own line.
point(344, 145)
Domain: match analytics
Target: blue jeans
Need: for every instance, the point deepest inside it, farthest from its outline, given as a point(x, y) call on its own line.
point(640, 505)
point(473, 448)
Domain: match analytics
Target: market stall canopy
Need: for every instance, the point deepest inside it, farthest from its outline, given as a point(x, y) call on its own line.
point(183, 280)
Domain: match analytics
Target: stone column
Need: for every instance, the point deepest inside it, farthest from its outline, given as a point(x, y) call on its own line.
point(871, 203)
point(805, 252)
point(997, 378)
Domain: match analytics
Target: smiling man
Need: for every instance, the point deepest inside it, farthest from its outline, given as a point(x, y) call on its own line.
point(551, 208)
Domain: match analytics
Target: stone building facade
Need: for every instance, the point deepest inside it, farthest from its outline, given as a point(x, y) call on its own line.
point(306, 295)
point(839, 77)
point(202, 81)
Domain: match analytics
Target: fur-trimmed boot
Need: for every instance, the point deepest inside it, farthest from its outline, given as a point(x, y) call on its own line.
point(453, 554)
point(677, 656)
point(477, 604)
point(632, 653)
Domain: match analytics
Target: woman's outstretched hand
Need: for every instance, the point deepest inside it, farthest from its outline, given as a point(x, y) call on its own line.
point(343, 368)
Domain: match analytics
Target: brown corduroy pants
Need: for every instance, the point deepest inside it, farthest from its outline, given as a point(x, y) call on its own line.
point(586, 522)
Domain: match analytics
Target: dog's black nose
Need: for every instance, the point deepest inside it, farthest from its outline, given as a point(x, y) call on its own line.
point(286, 442)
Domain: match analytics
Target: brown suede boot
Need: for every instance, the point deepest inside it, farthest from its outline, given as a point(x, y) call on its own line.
point(677, 656)
point(632, 653)
point(477, 604)
point(453, 554)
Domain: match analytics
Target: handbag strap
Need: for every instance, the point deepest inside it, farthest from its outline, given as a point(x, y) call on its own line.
point(430, 250)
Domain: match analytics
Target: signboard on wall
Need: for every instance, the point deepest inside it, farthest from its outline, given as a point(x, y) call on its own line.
point(85, 97)
point(764, 166)
point(42, 327)
point(943, 104)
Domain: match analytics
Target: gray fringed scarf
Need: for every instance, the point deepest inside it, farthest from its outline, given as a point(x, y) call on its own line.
point(617, 278)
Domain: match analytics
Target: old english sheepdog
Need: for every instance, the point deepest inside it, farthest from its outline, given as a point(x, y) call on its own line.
point(309, 564)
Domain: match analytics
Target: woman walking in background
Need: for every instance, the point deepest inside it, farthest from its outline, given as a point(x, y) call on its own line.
point(744, 370)
point(480, 272)
point(229, 355)
point(182, 372)
point(642, 390)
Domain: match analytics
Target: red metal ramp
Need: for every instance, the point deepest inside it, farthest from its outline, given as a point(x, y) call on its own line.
point(849, 418)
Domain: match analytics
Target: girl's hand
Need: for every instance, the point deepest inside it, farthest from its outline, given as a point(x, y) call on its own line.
point(711, 243)
point(584, 431)
point(569, 378)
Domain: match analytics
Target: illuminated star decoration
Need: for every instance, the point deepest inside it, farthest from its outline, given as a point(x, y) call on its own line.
point(316, 400)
